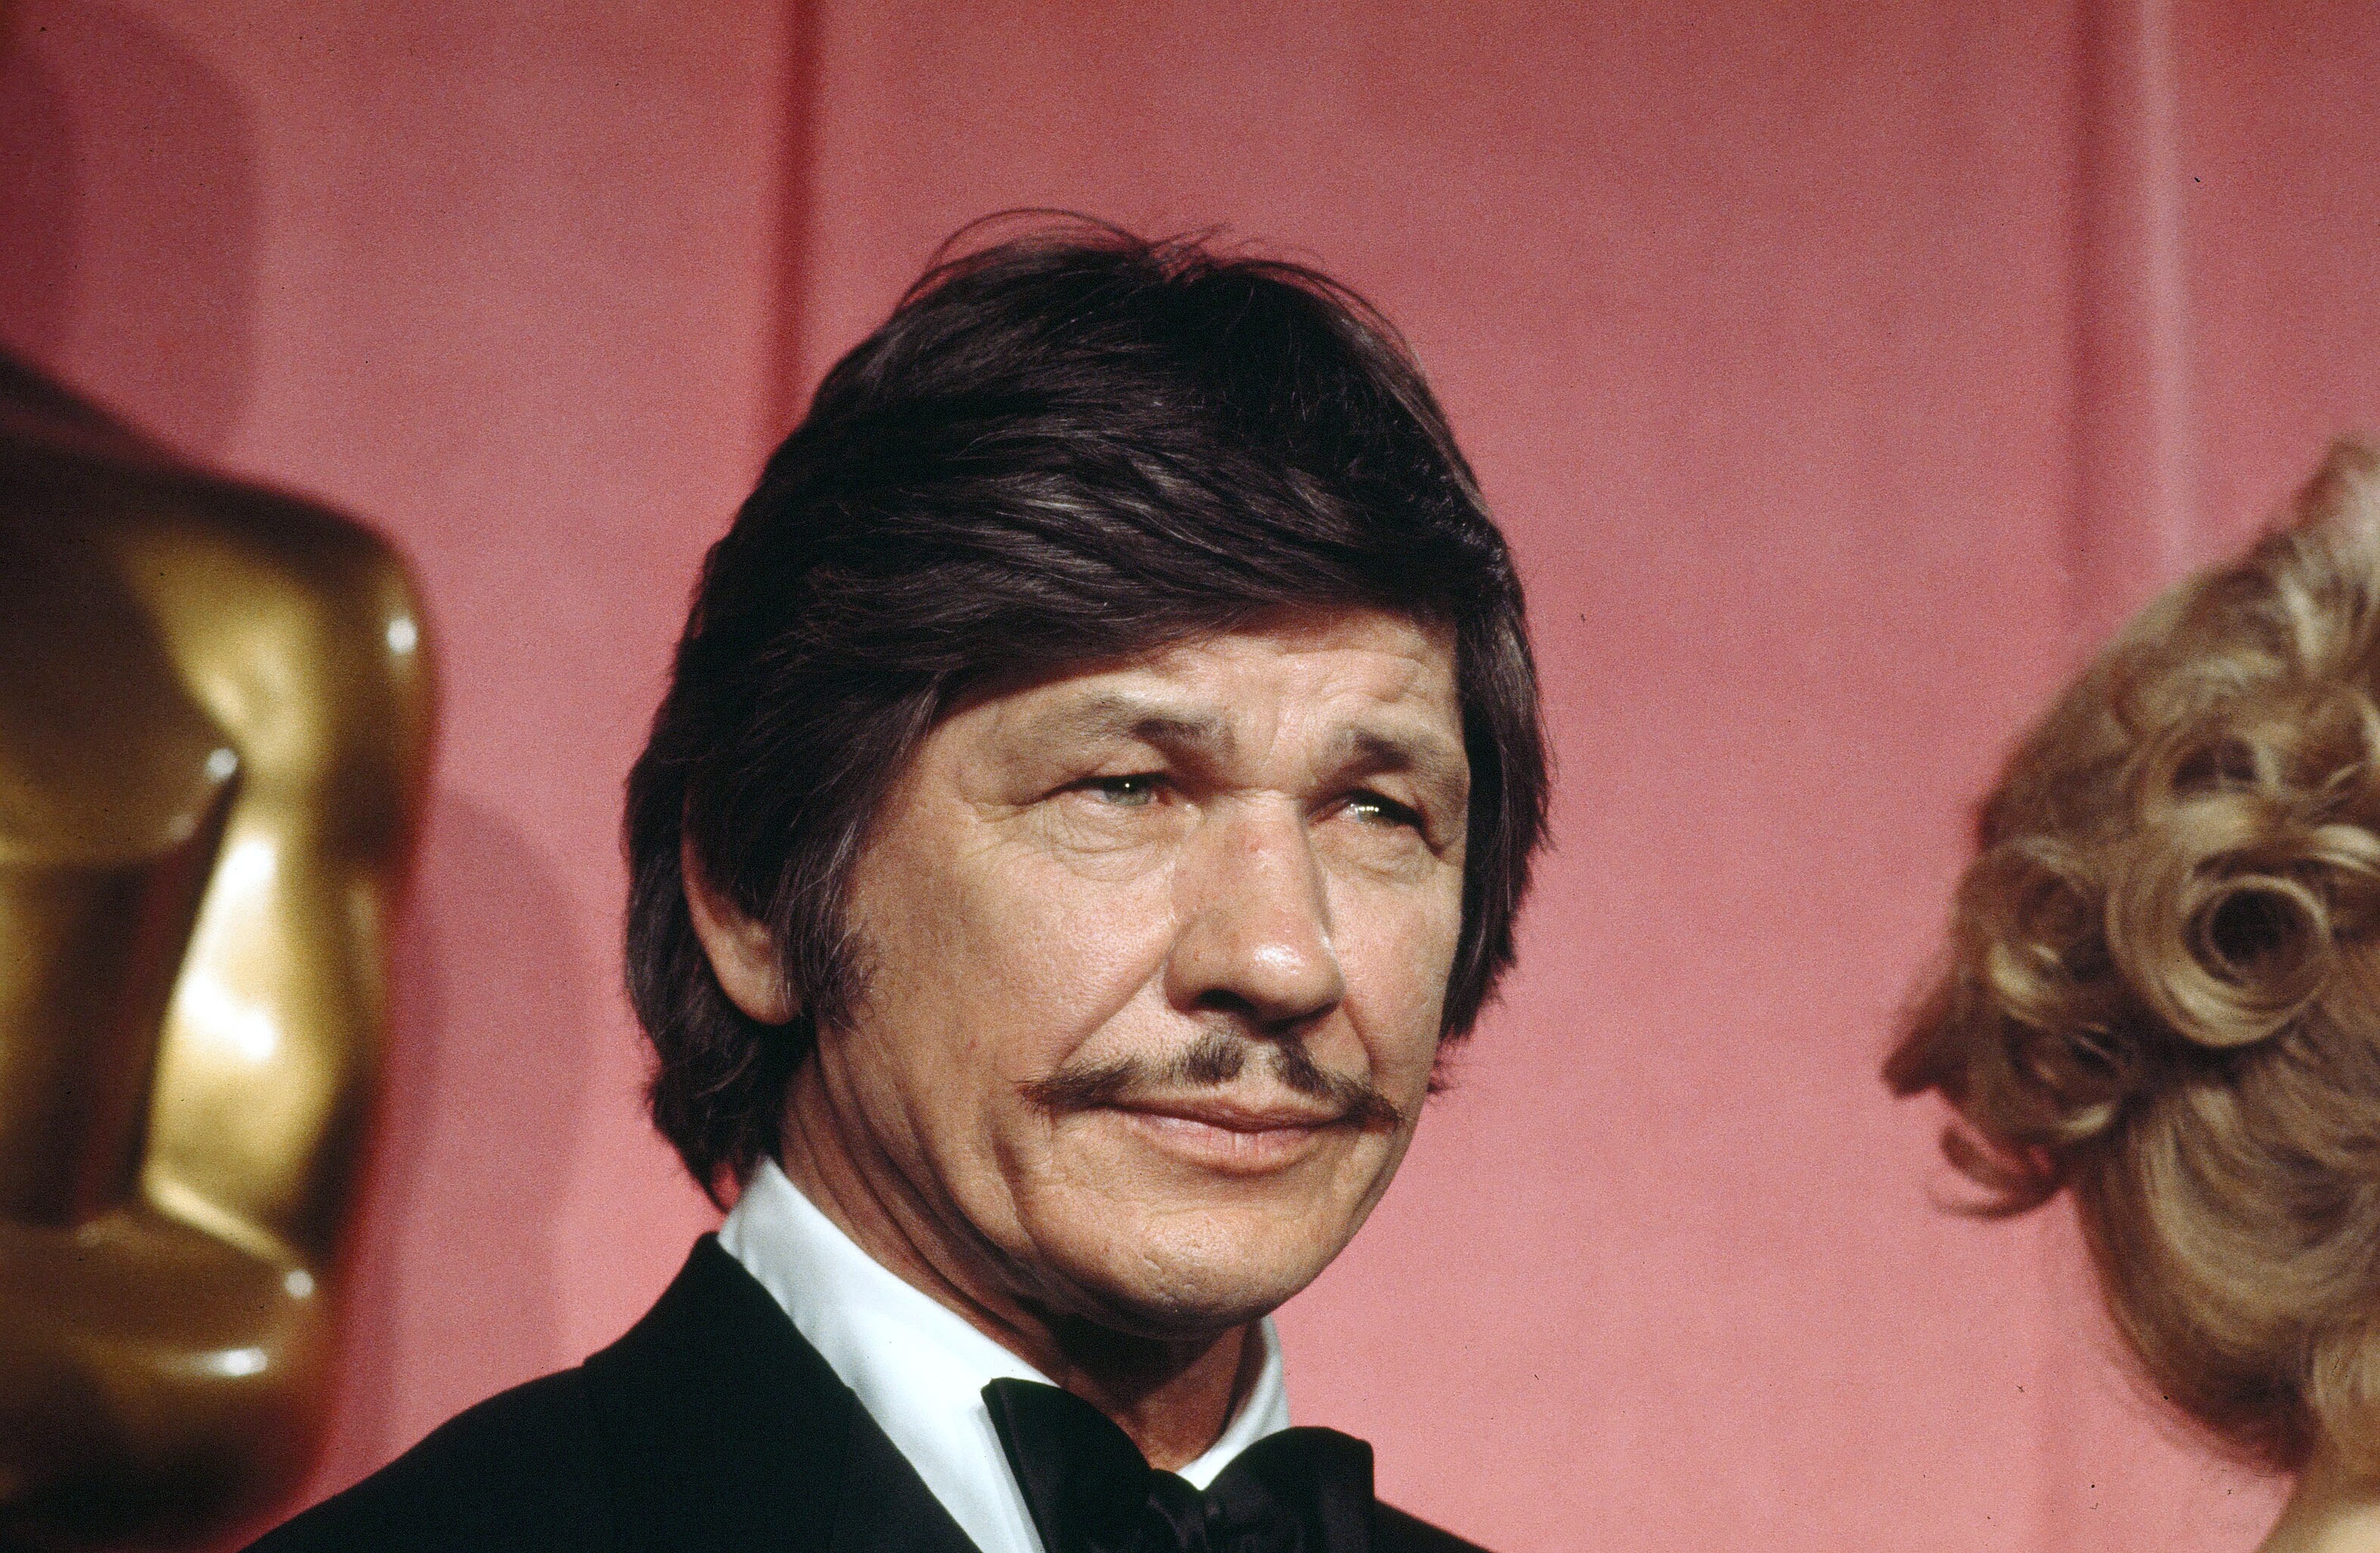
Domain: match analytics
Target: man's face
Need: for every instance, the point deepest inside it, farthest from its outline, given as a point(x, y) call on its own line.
point(1153, 957)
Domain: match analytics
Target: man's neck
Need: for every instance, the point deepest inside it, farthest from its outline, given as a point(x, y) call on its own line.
point(1173, 1398)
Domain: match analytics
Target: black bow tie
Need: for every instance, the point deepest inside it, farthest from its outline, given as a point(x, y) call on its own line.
point(1091, 1490)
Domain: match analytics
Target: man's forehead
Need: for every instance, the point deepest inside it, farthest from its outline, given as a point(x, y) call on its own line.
point(1337, 664)
point(1373, 691)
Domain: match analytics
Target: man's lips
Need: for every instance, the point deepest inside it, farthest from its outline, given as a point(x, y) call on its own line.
point(1229, 1136)
point(1234, 1115)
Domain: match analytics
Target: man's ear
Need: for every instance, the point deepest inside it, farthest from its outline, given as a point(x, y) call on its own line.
point(742, 952)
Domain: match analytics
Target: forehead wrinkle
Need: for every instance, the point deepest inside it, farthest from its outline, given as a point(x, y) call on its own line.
point(1122, 715)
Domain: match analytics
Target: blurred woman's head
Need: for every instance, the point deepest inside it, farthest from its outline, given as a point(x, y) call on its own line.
point(2163, 988)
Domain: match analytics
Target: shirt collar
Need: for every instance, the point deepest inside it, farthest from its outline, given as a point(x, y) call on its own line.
point(920, 1368)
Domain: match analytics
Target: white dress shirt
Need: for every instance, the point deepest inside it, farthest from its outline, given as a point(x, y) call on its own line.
point(918, 1366)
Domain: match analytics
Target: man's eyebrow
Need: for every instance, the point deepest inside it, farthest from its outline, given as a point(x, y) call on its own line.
point(1438, 765)
point(1431, 761)
point(1118, 716)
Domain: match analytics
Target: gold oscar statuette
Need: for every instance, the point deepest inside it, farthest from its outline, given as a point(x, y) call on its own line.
point(215, 710)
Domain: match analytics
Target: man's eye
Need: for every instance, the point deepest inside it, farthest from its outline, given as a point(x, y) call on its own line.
point(1124, 792)
point(1372, 807)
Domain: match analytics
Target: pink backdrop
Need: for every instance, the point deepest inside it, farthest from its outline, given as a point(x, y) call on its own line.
point(1837, 376)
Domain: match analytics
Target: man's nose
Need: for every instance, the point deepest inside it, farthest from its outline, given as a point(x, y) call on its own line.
point(1255, 937)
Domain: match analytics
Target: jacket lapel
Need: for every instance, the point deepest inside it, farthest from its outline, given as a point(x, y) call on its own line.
point(728, 1432)
point(886, 1504)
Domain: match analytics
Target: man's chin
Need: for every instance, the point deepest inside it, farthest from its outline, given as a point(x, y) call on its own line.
point(1156, 1291)
point(1149, 1243)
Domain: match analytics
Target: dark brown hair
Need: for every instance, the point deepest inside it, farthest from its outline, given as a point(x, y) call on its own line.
point(1068, 445)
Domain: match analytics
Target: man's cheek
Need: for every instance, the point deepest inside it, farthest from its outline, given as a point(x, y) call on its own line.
point(1059, 933)
point(1397, 959)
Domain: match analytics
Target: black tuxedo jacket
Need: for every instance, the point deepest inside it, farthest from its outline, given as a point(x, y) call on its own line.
point(712, 1427)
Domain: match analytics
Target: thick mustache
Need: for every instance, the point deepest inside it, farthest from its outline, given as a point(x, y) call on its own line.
point(1214, 1059)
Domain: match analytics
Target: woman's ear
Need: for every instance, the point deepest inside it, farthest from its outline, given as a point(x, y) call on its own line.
point(742, 952)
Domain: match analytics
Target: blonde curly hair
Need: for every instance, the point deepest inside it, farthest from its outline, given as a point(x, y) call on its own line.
point(2163, 982)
